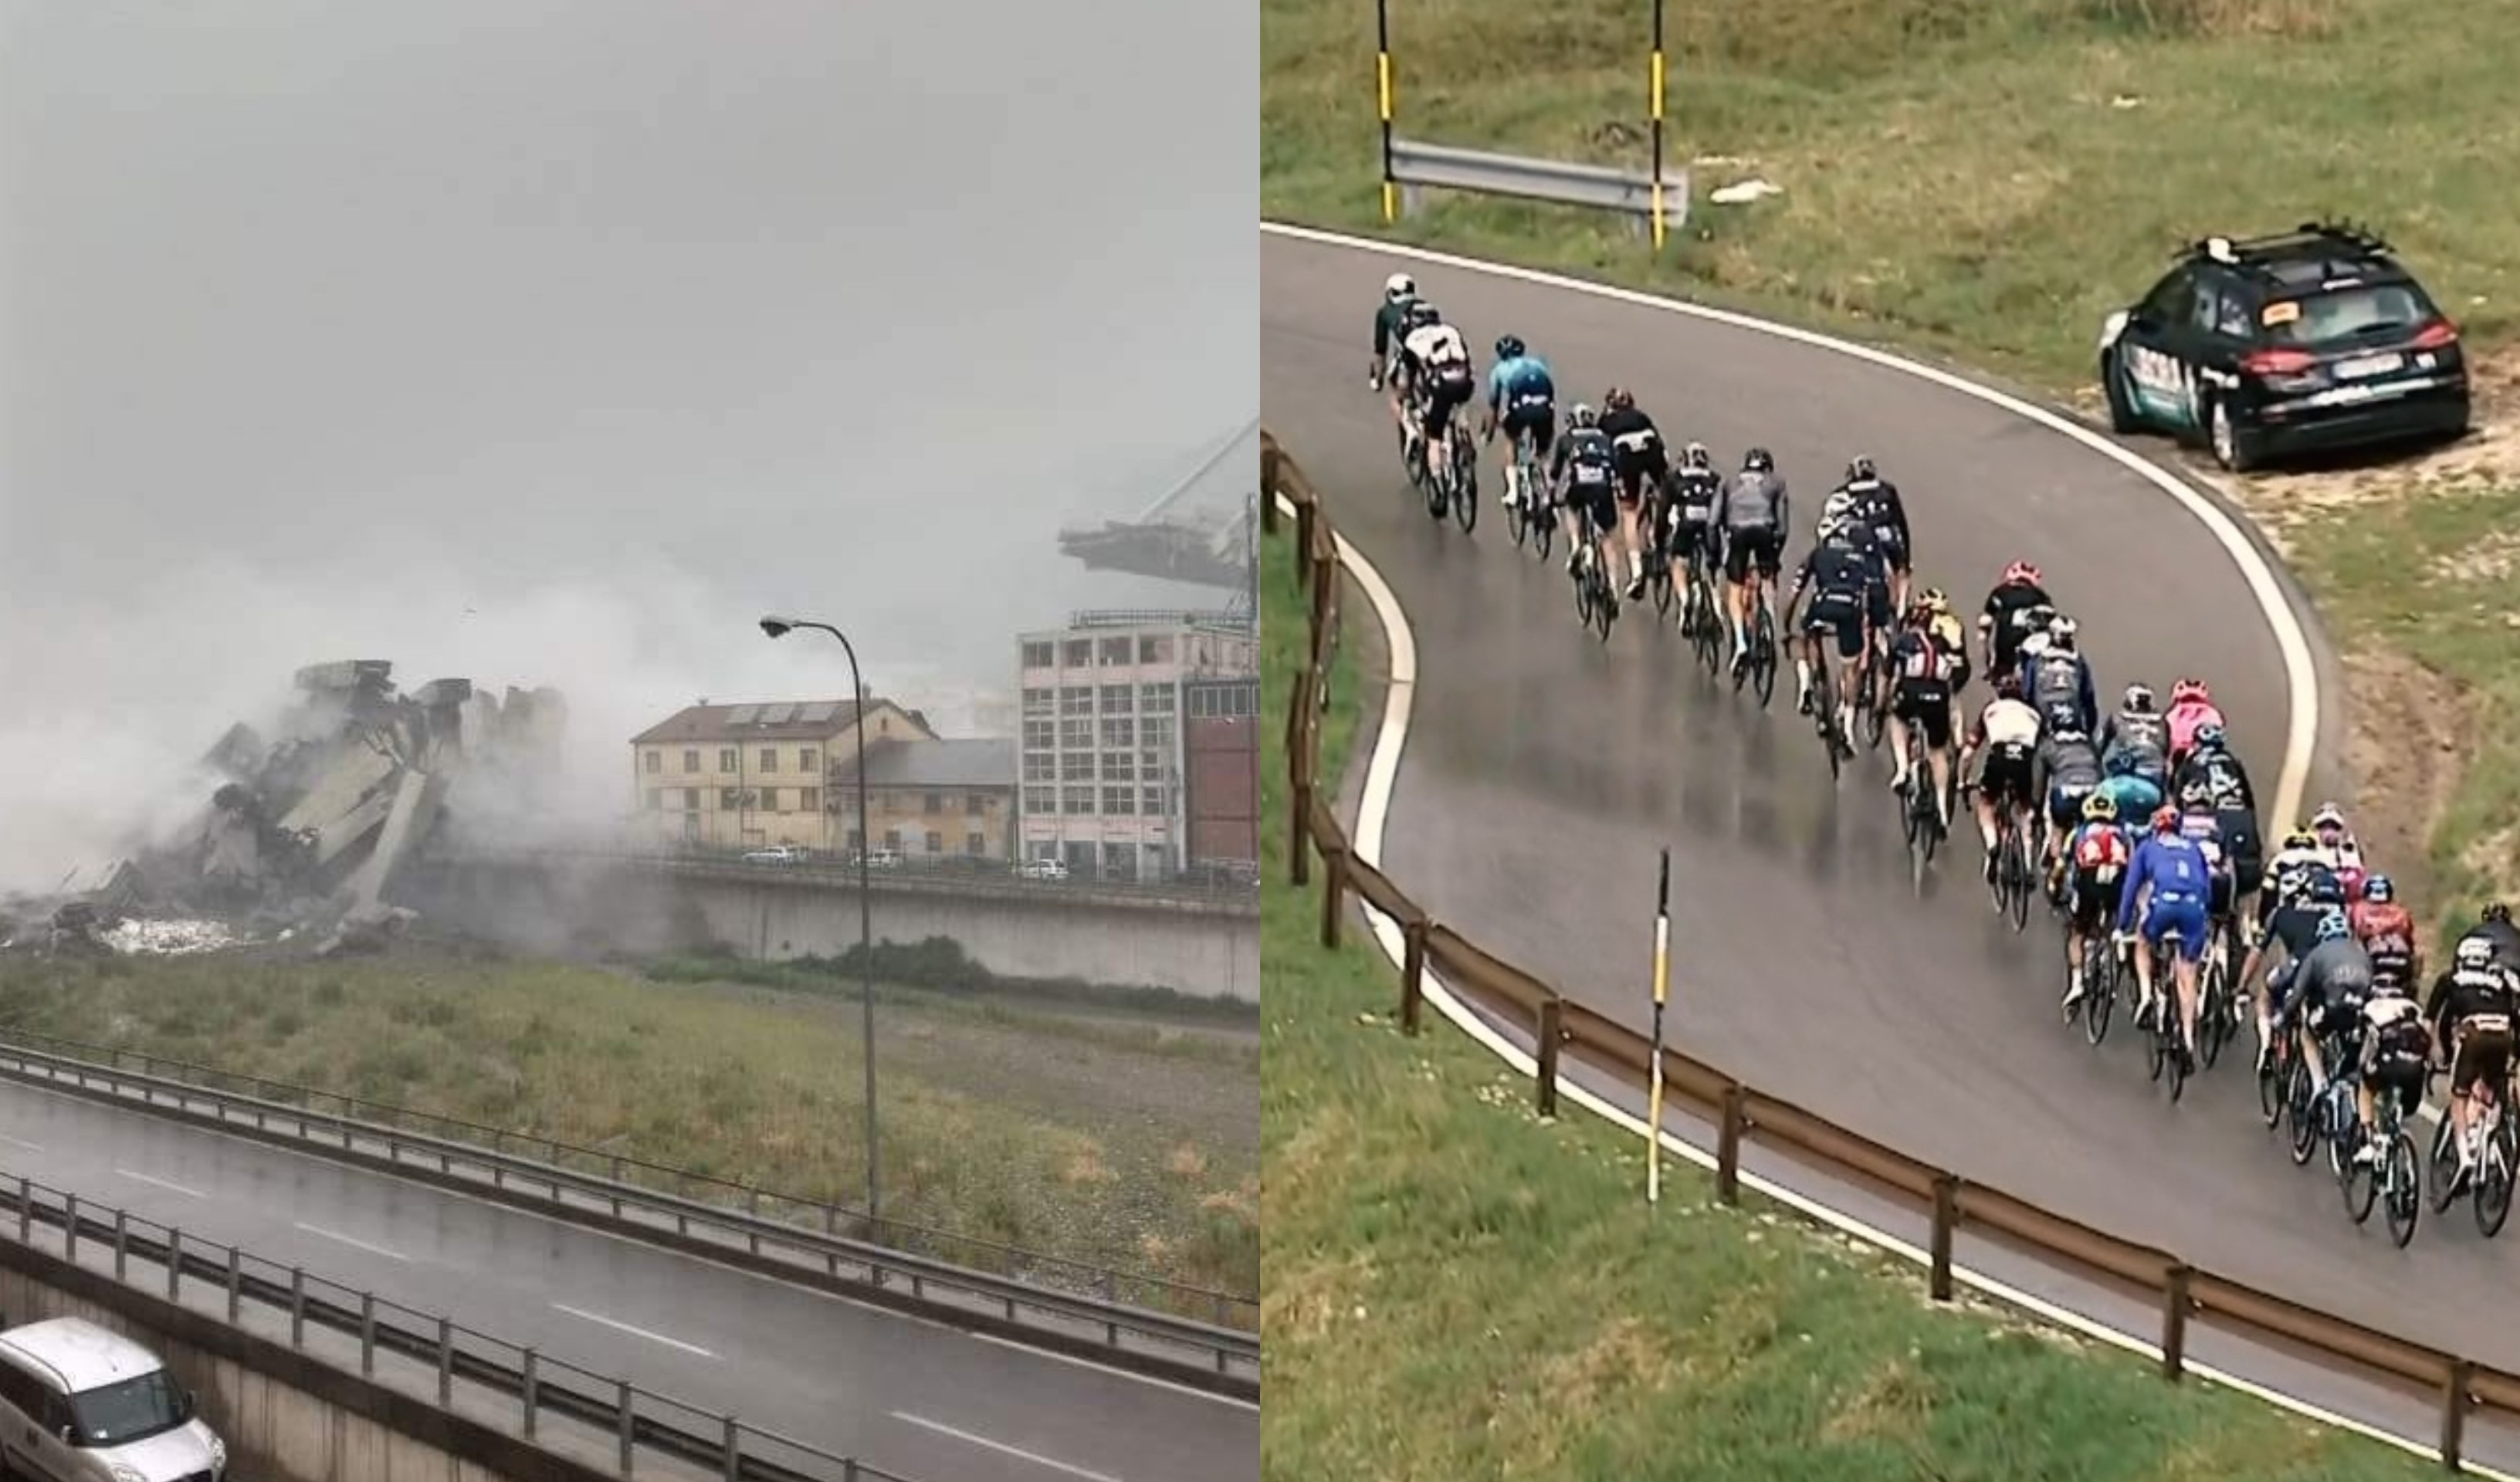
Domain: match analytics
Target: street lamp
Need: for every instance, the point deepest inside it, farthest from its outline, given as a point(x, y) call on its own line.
point(781, 627)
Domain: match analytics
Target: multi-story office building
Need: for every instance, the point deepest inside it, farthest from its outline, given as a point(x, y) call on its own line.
point(730, 777)
point(1102, 767)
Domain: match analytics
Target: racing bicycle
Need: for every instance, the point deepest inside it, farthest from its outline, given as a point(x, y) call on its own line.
point(1920, 812)
point(1758, 666)
point(1597, 602)
point(2008, 873)
point(2497, 1151)
point(2100, 987)
point(1455, 482)
point(1526, 509)
point(1823, 701)
point(1699, 618)
point(2389, 1179)
point(1873, 692)
point(2162, 1049)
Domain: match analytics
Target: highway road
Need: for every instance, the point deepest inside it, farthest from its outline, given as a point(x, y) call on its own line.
point(908, 1395)
point(1543, 770)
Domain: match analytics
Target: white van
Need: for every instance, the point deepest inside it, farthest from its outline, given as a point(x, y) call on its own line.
point(80, 1402)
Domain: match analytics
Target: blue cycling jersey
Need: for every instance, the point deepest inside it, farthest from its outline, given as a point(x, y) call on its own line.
point(1522, 382)
point(2173, 866)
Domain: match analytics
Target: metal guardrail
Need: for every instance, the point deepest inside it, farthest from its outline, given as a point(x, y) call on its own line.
point(1202, 1355)
point(1419, 166)
point(1226, 1309)
point(1744, 1116)
point(421, 1352)
point(990, 884)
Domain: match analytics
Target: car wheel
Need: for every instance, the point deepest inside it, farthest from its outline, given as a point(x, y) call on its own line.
point(2123, 417)
point(2235, 448)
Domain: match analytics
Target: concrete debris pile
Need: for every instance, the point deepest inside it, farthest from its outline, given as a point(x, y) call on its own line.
point(309, 827)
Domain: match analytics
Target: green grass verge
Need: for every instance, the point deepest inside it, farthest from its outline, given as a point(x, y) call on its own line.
point(1455, 1287)
point(1983, 180)
point(1128, 1146)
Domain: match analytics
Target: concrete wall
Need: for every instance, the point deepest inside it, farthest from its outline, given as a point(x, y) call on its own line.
point(554, 906)
point(286, 1416)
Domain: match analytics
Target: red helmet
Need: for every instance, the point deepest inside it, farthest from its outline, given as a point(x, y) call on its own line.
point(2020, 573)
point(2190, 691)
point(2165, 819)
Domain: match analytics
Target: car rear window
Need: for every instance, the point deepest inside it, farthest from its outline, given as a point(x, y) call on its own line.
point(2374, 311)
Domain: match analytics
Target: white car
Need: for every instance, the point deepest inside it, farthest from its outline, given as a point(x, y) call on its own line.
point(776, 854)
point(1042, 870)
point(80, 1403)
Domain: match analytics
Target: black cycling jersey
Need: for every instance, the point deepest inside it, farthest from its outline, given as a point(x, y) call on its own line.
point(2295, 927)
point(1584, 448)
point(2004, 604)
point(1833, 572)
point(2504, 937)
point(2223, 775)
point(2463, 993)
point(1692, 492)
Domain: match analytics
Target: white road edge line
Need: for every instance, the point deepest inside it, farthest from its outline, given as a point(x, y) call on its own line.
point(2301, 673)
point(636, 1332)
point(1035, 1458)
point(150, 1178)
point(352, 1240)
point(1373, 812)
point(1009, 1344)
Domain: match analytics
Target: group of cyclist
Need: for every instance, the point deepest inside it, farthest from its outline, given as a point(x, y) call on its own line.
point(2146, 821)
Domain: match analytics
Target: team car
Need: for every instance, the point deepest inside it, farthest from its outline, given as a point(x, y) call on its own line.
point(2262, 347)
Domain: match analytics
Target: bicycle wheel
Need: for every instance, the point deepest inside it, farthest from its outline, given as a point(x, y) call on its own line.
point(1583, 580)
point(2017, 862)
point(1606, 602)
point(1661, 582)
point(1872, 715)
point(2156, 1047)
point(2444, 1164)
point(2493, 1199)
point(2172, 1058)
point(2360, 1184)
point(2271, 1083)
point(2099, 989)
point(1518, 521)
point(1544, 531)
point(2300, 1108)
point(2398, 1179)
point(1465, 485)
point(1763, 654)
point(2214, 1023)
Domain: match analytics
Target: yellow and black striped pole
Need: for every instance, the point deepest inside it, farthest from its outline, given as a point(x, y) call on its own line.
point(1382, 103)
point(1661, 990)
point(1655, 88)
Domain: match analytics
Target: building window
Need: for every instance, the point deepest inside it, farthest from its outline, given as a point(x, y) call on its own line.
point(1115, 700)
point(1037, 701)
point(805, 760)
point(1151, 802)
point(656, 760)
point(809, 799)
point(1155, 699)
point(691, 761)
point(1040, 655)
point(1076, 699)
point(1079, 654)
point(1119, 732)
point(770, 758)
point(1040, 734)
point(1156, 732)
point(1119, 766)
point(892, 839)
point(1076, 734)
point(1076, 800)
point(975, 804)
point(1041, 766)
point(933, 802)
point(935, 842)
point(1116, 650)
point(1119, 800)
point(769, 799)
point(976, 843)
point(656, 798)
point(729, 799)
point(1076, 766)
point(726, 758)
point(1154, 651)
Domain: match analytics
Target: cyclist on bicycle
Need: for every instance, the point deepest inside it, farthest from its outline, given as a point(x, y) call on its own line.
point(2387, 930)
point(2289, 932)
point(1751, 515)
point(2198, 820)
point(2471, 1010)
point(1643, 464)
point(1878, 504)
point(2212, 763)
point(1522, 399)
point(1441, 374)
point(2396, 1051)
point(2135, 794)
point(2008, 732)
point(2096, 859)
point(2018, 607)
point(2169, 881)
point(2059, 679)
point(2192, 710)
point(2069, 774)
point(1407, 399)
point(1583, 470)
point(2137, 722)
point(1689, 509)
point(1920, 705)
point(1390, 329)
point(1839, 573)
point(2495, 926)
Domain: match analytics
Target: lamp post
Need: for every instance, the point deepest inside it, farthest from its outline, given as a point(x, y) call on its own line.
point(781, 627)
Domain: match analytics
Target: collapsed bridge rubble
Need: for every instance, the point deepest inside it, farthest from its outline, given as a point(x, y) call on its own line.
point(307, 829)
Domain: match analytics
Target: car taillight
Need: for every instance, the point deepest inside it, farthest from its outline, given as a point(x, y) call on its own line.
point(2438, 335)
point(2277, 362)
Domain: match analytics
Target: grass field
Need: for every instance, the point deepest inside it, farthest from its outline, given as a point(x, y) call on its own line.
point(1121, 1142)
point(1982, 180)
point(1455, 1288)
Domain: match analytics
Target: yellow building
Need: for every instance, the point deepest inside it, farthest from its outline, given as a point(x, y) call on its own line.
point(743, 777)
point(934, 802)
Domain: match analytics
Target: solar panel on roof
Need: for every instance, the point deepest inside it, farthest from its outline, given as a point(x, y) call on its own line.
point(777, 715)
point(741, 715)
point(819, 711)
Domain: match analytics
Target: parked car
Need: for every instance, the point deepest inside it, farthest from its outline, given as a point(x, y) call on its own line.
point(80, 1402)
point(1042, 870)
point(776, 854)
point(882, 859)
point(2264, 347)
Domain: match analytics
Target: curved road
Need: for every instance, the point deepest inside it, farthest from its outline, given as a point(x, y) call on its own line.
point(1543, 770)
point(904, 1393)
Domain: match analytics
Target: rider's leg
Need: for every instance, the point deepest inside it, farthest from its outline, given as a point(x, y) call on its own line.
point(1940, 758)
point(2146, 945)
point(1902, 752)
point(1631, 547)
point(2183, 968)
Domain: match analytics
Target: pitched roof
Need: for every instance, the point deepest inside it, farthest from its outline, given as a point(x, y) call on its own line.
point(967, 763)
point(771, 720)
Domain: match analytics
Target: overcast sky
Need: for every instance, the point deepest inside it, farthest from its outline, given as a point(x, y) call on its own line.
point(615, 322)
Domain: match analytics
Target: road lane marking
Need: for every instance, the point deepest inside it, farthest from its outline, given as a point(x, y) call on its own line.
point(353, 1241)
point(2301, 669)
point(637, 1333)
point(1234, 1402)
point(150, 1178)
point(1373, 813)
point(1034, 1457)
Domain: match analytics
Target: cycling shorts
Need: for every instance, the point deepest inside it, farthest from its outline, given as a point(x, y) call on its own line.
point(1877, 601)
point(2396, 1068)
point(1639, 471)
point(1592, 501)
point(2179, 911)
point(1838, 612)
point(1893, 551)
point(1448, 392)
point(2484, 1054)
point(2007, 776)
point(1925, 704)
point(2094, 902)
point(2065, 803)
point(1532, 417)
point(1745, 545)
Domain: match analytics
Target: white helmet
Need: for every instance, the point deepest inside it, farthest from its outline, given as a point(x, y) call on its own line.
point(1837, 504)
point(2061, 629)
point(1397, 286)
point(2034, 644)
point(2474, 952)
point(1829, 527)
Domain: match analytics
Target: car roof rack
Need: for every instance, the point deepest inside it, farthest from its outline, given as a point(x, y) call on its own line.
point(2307, 239)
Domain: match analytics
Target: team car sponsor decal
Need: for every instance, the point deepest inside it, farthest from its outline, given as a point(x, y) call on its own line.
point(2282, 311)
point(2160, 381)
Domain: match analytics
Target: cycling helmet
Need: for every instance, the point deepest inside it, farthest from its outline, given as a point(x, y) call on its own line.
point(2189, 692)
point(1424, 315)
point(1618, 399)
point(2100, 808)
point(2210, 737)
point(2292, 882)
point(2138, 700)
point(2332, 927)
point(1581, 415)
point(2020, 573)
point(1836, 505)
point(1830, 528)
point(2007, 685)
point(2379, 890)
point(2061, 630)
point(1508, 347)
point(1858, 470)
point(2473, 952)
point(2165, 819)
point(2325, 888)
point(1935, 599)
point(2498, 914)
point(2328, 816)
point(1397, 286)
point(1757, 461)
point(1695, 456)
